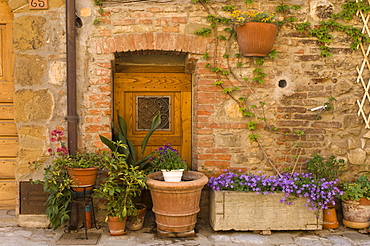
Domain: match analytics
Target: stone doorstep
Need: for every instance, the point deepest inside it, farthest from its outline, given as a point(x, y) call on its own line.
point(33, 220)
point(8, 218)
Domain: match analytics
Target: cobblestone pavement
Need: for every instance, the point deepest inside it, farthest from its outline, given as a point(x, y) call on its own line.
point(12, 235)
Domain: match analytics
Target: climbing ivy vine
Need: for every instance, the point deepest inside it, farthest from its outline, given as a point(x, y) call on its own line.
point(255, 112)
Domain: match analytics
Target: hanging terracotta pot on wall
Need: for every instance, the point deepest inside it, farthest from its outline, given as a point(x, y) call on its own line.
point(256, 38)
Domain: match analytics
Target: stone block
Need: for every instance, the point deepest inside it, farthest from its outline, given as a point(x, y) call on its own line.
point(29, 32)
point(33, 105)
point(25, 66)
point(248, 211)
point(32, 220)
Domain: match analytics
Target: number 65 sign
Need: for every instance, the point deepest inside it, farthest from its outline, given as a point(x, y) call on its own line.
point(38, 4)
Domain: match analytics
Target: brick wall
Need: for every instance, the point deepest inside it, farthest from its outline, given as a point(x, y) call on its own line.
point(220, 135)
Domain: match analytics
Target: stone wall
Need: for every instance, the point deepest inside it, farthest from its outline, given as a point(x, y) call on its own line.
point(220, 134)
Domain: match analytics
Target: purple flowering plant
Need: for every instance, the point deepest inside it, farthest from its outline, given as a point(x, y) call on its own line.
point(319, 193)
point(167, 158)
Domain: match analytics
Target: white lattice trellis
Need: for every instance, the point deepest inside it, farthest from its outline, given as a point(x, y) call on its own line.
point(365, 66)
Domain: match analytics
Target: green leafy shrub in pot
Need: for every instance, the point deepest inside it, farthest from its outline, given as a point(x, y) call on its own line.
point(330, 169)
point(124, 183)
point(120, 134)
point(356, 190)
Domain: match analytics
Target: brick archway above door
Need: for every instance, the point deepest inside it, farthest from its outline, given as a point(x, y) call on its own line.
point(153, 41)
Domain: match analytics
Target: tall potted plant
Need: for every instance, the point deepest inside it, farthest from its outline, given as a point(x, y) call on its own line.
point(256, 32)
point(123, 184)
point(120, 134)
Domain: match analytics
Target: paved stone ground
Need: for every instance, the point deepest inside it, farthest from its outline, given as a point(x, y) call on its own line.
point(12, 235)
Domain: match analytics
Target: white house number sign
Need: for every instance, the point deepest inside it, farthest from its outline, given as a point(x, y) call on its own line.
point(38, 4)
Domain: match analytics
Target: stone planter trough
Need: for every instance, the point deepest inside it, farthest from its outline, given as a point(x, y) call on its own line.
point(247, 211)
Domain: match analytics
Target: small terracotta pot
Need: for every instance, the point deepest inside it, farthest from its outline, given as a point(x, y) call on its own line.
point(116, 226)
point(135, 223)
point(83, 177)
point(330, 220)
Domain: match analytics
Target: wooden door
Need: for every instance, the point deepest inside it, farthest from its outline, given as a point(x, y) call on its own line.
point(8, 131)
point(139, 96)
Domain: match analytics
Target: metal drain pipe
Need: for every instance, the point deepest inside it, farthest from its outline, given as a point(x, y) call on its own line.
point(72, 117)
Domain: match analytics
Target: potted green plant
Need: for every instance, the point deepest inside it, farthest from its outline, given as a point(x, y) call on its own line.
point(356, 203)
point(120, 134)
point(256, 31)
point(168, 160)
point(123, 184)
point(60, 181)
point(329, 169)
point(175, 204)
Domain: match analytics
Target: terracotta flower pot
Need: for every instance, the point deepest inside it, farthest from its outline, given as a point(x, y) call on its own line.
point(330, 220)
point(135, 223)
point(116, 226)
point(256, 38)
point(356, 214)
point(83, 177)
point(176, 204)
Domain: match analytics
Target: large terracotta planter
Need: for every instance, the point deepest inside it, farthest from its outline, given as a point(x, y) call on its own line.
point(176, 204)
point(256, 38)
point(116, 226)
point(83, 177)
point(356, 214)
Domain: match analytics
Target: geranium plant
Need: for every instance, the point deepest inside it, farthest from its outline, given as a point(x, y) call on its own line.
point(167, 158)
point(57, 182)
point(318, 192)
point(356, 190)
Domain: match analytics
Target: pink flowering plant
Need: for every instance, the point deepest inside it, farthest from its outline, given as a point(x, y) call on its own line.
point(57, 181)
point(78, 160)
point(57, 137)
point(319, 193)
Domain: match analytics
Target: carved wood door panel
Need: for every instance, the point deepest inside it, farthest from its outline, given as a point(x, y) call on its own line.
point(139, 96)
point(8, 131)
